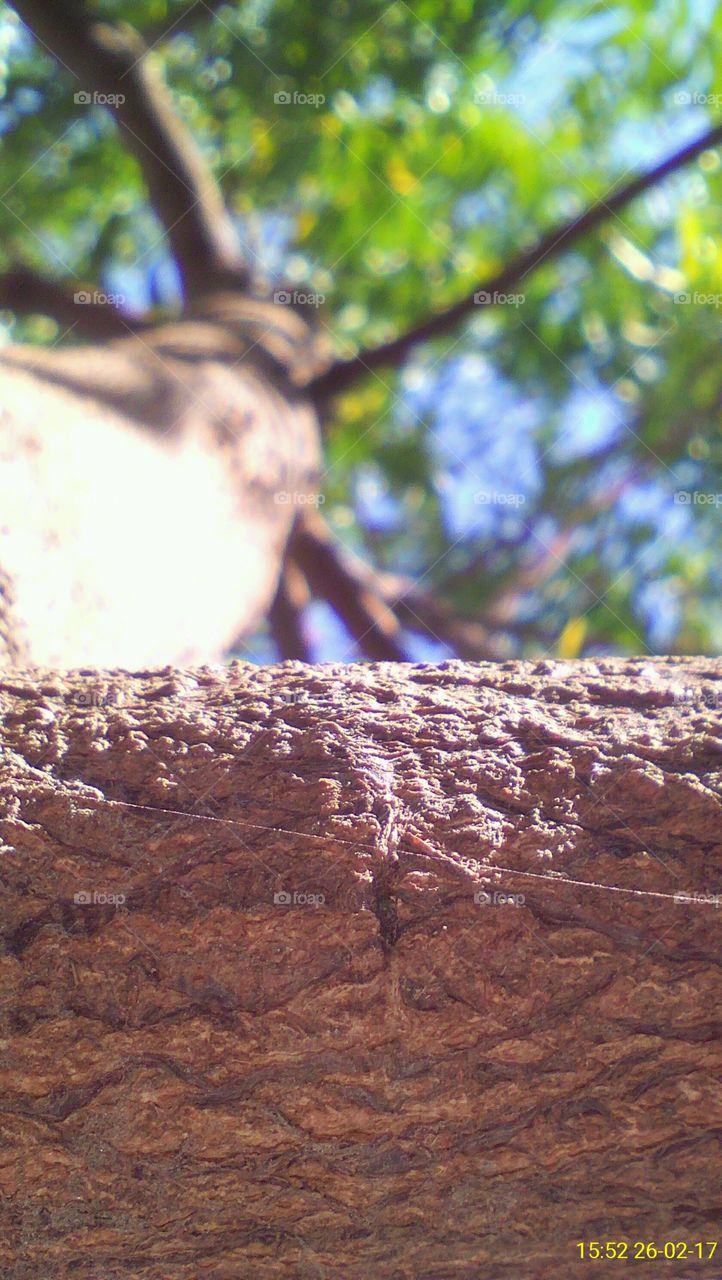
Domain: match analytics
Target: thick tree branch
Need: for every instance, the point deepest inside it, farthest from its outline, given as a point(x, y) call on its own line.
point(113, 61)
point(560, 238)
point(26, 293)
point(286, 615)
point(348, 590)
point(367, 600)
point(292, 930)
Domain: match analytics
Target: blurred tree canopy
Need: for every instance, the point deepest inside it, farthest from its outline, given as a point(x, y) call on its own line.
point(549, 471)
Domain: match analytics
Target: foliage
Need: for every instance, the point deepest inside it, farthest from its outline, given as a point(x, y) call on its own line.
point(555, 465)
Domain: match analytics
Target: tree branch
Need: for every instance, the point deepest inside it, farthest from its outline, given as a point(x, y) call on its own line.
point(347, 587)
point(286, 615)
point(26, 293)
point(113, 61)
point(345, 372)
point(375, 605)
point(421, 612)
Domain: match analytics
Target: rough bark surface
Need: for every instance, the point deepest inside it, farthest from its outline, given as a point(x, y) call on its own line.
point(148, 487)
point(288, 1030)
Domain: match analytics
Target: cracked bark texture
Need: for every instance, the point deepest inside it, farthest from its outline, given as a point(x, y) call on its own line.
point(291, 1032)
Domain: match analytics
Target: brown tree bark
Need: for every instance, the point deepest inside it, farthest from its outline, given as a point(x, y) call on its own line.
point(268, 1009)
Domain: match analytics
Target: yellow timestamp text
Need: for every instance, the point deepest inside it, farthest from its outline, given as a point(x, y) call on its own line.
point(645, 1250)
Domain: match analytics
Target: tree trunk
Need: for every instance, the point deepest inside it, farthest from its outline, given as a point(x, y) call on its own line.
point(408, 973)
point(148, 487)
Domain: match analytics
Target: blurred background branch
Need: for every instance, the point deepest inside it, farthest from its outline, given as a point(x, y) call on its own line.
point(113, 61)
